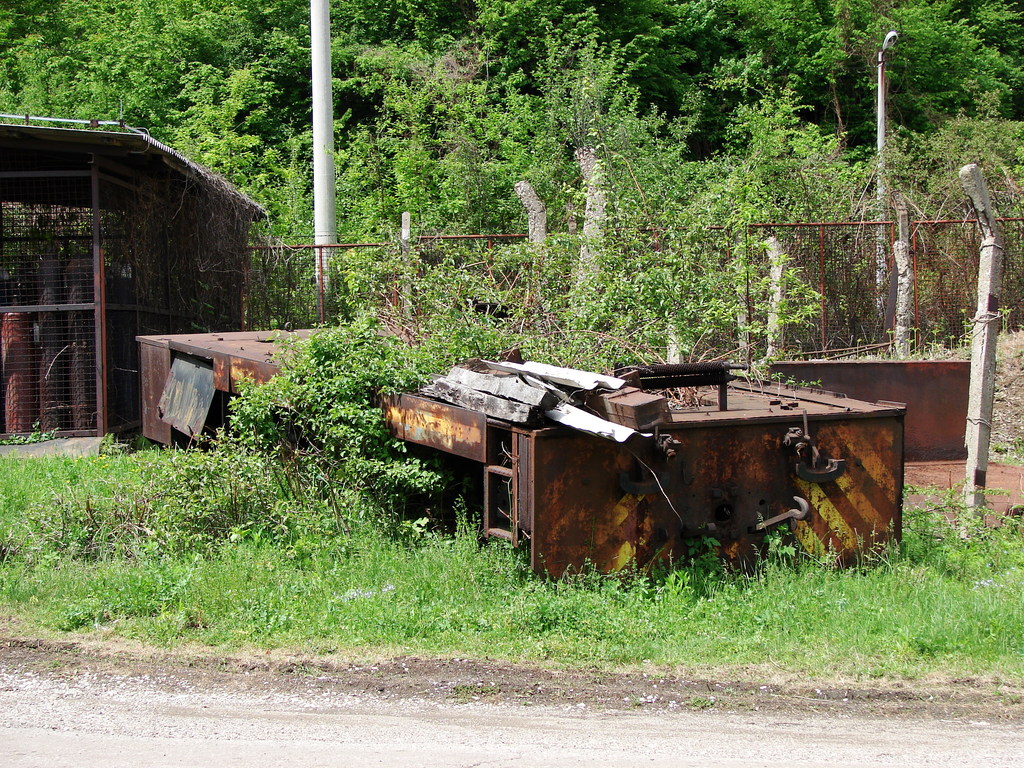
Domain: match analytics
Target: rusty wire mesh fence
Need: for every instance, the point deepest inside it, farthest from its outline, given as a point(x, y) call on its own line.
point(289, 286)
point(91, 256)
point(47, 343)
point(839, 262)
point(840, 272)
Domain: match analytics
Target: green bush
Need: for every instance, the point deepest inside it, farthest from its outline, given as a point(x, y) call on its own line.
point(181, 502)
point(322, 418)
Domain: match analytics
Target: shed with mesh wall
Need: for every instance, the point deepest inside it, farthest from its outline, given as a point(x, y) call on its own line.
point(105, 235)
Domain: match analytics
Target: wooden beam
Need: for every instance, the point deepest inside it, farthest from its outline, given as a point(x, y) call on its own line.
point(630, 407)
point(508, 386)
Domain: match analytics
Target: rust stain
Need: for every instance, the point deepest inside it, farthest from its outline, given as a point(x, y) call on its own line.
point(438, 425)
point(877, 469)
point(431, 426)
point(256, 371)
point(732, 550)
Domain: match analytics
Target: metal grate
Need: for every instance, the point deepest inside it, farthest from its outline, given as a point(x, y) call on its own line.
point(46, 308)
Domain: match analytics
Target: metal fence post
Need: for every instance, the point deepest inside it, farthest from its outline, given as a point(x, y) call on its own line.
point(821, 284)
point(320, 280)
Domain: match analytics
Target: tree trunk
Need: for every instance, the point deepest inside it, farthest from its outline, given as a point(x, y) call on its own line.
point(536, 213)
point(593, 215)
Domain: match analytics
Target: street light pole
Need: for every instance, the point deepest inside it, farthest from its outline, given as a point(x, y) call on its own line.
point(883, 87)
point(324, 221)
point(882, 108)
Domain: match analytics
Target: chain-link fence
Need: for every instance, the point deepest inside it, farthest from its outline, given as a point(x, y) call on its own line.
point(301, 286)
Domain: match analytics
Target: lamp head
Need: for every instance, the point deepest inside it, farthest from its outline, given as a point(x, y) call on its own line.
point(890, 39)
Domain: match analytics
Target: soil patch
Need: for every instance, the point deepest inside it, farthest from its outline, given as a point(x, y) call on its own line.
point(464, 681)
point(1008, 410)
point(936, 478)
point(1005, 479)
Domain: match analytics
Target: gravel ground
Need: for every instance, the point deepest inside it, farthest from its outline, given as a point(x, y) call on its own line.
point(66, 704)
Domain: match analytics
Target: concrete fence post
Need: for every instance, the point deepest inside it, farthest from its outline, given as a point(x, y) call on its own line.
point(984, 335)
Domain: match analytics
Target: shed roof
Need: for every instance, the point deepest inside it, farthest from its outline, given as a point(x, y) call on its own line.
point(131, 147)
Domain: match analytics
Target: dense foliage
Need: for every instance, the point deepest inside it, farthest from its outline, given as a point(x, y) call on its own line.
point(708, 109)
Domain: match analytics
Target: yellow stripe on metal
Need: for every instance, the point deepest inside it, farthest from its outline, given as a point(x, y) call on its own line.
point(874, 464)
point(808, 539)
point(623, 508)
point(862, 503)
point(624, 556)
point(833, 518)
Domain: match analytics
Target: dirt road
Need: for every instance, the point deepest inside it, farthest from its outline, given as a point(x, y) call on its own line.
point(65, 705)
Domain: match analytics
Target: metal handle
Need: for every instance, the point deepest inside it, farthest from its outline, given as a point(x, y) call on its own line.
point(833, 469)
point(800, 513)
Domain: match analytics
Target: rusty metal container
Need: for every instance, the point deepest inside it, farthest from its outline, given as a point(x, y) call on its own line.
point(182, 374)
point(728, 477)
point(934, 391)
point(823, 469)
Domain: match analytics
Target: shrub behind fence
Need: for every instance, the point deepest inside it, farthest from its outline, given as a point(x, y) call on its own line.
point(836, 260)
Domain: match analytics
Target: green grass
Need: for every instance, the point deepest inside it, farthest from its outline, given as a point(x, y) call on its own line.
point(27, 484)
point(941, 604)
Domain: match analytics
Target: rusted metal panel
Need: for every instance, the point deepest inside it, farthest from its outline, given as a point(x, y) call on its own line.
point(187, 395)
point(222, 373)
point(443, 426)
point(730, 478)
point(581, 515)
point(860, 510)
point(935, 392)
point(824, 470)
point(155, 360)
point(630, 407)
point(256, 371)
point(524, 481)
point(600, 503)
